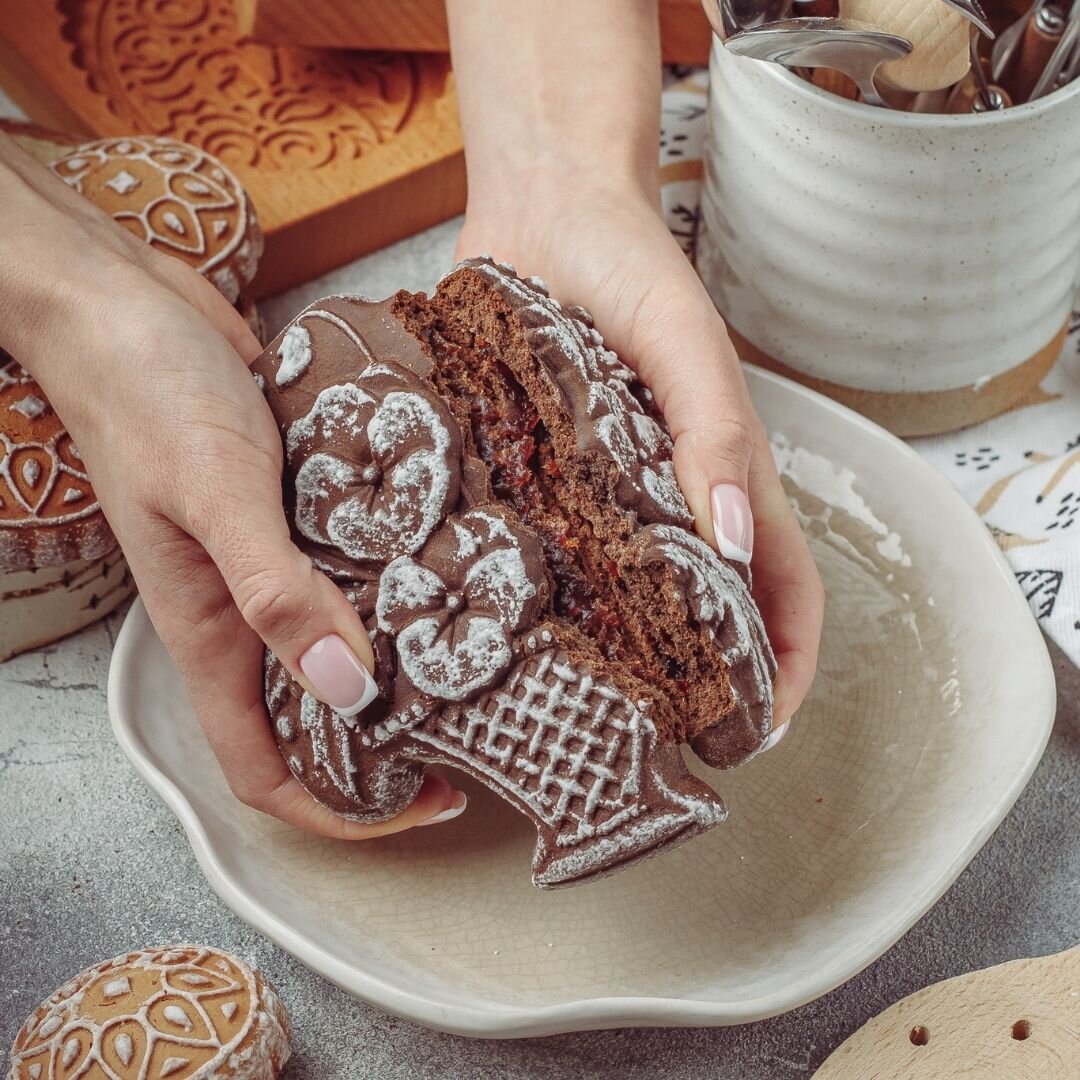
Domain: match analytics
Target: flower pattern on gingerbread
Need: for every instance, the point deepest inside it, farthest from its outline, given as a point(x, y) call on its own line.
point(455, 607)
point(402, 473)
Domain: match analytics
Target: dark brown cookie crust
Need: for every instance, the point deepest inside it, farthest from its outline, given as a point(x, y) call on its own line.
point(489, 486)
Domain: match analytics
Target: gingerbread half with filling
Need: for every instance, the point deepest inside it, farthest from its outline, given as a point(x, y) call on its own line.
point(494, 492)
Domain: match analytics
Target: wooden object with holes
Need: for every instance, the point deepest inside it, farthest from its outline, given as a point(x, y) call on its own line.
point(1016, 1021)
point(420, 25)
point(341, 153)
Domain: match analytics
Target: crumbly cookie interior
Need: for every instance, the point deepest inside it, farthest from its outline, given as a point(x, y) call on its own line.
point(521, 430)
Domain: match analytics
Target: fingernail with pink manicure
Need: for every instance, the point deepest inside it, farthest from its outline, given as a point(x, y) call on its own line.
point(775, 736)
point(337, 676)
point(733, 523)
point(456, 807)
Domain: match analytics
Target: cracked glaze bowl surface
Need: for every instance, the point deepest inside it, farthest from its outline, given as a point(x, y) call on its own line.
point(932, 706)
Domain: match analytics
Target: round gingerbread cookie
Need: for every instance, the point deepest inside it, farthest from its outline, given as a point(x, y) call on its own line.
point(176, 197)
point(179, 1012)
point(49, 514)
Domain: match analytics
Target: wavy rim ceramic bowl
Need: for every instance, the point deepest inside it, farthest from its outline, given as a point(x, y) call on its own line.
point(386, 972)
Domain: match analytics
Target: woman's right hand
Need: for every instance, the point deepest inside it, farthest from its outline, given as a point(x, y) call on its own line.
point(147, 365)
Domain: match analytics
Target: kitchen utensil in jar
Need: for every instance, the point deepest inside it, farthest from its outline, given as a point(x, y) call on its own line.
point(1062, 60)
point(852, 48)
point(938, 34)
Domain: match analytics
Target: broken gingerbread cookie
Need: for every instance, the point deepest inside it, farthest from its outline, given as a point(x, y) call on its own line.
point(493, 490)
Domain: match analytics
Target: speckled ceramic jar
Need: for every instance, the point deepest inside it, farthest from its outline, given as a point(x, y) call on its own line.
point(918, 267)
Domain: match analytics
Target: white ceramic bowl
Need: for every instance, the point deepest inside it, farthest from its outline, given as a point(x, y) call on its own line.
point(933, 704)
point(890, 252)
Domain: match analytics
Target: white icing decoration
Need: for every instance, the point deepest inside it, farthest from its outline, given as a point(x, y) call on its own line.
point(331, 748)
point(258, 1039)
point(10, 492)
point(220, 225)
point(31, 406)
point(173, 222)
point(175, 1015)
point(116, 987)
point(294, 355)
point(123, 182)
point(123, 147)
point(197, 187)
point(468, 542)
point(720, 599)
point(565, 730)
point(76, 163)
point(453, 670)
point(71, 1050)
point(192, 978)
point(124, 1047)
point(413, 490)
point(31, 471)
point(173, 1064)
point(452, 645)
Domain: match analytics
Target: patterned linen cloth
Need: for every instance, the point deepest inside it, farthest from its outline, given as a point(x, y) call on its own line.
point(1021, 470)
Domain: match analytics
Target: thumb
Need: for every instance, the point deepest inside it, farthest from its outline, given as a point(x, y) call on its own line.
point(298, 612)
point(699, 387)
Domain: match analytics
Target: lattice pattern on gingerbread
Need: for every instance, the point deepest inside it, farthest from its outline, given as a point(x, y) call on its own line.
point(571, 745)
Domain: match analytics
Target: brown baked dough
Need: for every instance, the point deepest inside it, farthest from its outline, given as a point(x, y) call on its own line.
point(494, 491)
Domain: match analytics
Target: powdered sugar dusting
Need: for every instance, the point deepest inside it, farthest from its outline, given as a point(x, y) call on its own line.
point(294, 355)
point(393, 513)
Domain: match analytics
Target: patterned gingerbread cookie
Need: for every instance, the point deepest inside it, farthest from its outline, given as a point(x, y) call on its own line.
point(176, 197)
point(494, 492)
point(183, 1011)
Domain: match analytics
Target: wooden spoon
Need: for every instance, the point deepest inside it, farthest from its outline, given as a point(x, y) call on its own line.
point(1016, 1021)
point(938, 33)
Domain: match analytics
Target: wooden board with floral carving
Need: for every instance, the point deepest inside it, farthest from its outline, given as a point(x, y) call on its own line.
point(341, 152)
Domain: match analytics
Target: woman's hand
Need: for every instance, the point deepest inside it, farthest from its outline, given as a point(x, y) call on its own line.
point(611, 252)
point(563, 183)
point(147, 364)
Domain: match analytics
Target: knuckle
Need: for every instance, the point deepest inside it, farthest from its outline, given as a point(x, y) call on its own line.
point(269, 605)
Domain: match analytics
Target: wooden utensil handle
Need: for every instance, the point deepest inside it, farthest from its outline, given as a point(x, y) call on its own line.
point(817, 9)
point(835, 82)
point(1035, 49)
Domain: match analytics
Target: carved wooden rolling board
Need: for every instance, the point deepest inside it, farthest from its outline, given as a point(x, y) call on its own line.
point(421, 25)
point(1016, 1021)
point(341, 152)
